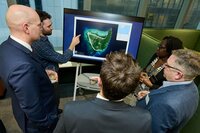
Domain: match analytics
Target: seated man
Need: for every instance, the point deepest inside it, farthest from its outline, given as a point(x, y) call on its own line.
point(119, 77)
point(174, 103)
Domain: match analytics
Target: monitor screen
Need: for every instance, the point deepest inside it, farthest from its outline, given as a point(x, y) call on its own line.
point(101, 33)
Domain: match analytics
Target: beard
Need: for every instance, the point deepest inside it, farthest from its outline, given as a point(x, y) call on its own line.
point(47, 33)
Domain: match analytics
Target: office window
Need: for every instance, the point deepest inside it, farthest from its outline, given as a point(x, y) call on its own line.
point(124, 7)
point(192, 19)
point(162, 13)
point(38, 4)
point(80, 4)
point(157, 13)
point(23, 2)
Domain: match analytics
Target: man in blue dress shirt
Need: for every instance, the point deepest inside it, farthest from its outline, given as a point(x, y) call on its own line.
point(174, 103)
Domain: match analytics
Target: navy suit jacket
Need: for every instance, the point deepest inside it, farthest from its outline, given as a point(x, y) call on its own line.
point(100, 116)
point(171, 107)
point(32, 93)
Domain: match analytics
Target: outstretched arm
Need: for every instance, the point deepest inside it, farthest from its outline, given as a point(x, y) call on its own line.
point(75, 41)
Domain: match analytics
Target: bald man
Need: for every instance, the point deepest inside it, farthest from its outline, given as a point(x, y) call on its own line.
point(33, 99)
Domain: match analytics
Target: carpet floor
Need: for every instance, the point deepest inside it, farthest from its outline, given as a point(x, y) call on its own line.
point(65, 91)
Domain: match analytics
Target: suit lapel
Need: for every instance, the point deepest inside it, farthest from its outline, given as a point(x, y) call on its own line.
point(25, 50)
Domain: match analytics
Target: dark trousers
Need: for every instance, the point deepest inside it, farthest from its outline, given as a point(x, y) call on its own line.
point(2, 127)
point(57, 93)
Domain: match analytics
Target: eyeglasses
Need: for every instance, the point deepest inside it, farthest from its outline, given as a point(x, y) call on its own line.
point(161, 47)
point(172, 67)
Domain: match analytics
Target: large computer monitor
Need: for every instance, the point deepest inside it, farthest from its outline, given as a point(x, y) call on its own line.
point(101, 33)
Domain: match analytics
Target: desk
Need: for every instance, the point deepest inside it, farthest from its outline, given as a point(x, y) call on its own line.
point(72, 64)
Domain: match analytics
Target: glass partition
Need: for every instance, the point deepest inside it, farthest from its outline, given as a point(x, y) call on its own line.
point(162, 13)
point(157, 13)
point(192, 18)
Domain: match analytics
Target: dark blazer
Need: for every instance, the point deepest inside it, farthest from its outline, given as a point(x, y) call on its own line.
point(48, 56)
point(32, 94)
point(100, 116)
point(171, 107)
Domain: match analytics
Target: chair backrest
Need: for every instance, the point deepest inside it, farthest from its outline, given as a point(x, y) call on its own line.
point(190, 38)
point(148, 46)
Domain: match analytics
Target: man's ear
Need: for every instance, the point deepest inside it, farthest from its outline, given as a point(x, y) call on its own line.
point(179, 75)
point(25, 27)
point(99, 82)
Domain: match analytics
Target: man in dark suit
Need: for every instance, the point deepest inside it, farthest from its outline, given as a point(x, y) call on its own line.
point(174, 103)
point(107, 113)
point(33, 99)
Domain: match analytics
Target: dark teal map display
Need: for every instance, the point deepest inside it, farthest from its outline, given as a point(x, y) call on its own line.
point(97, 40)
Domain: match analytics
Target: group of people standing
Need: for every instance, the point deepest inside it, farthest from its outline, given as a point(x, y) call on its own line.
point(167, 100)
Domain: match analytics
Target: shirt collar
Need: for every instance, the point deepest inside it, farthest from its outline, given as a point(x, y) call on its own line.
point(103, 98)
point(169, 83)
point(26, 45)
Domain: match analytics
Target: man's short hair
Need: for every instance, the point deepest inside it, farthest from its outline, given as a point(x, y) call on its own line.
point(120, 75)
point(189, 60)
point(43, 15)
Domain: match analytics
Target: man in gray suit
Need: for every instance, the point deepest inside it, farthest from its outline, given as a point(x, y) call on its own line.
point(107, 113)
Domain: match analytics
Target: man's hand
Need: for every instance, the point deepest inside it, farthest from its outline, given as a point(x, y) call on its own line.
point(53, 76)
point(75, 41)
point(142, 94)
point(145, 79)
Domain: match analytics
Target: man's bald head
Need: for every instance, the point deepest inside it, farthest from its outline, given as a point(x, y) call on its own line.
point(18, 14)
point(19, 18)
